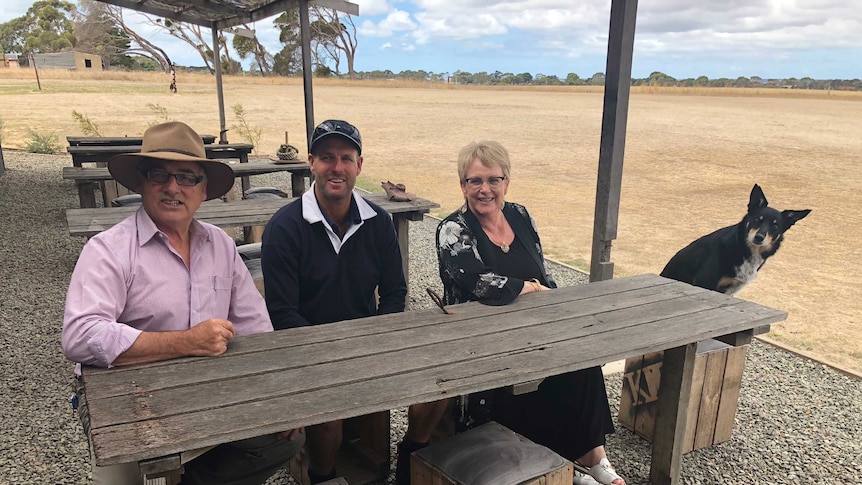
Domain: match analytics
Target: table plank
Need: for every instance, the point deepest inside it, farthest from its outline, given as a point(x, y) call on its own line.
point(299, 377)
point(249, 212)
point(117, 140)
point(95, 154)
point(255, 167)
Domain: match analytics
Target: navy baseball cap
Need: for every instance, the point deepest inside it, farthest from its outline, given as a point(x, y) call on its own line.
point(335, 128)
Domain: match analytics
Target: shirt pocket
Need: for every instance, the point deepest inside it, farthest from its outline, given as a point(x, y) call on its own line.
point(214, 297)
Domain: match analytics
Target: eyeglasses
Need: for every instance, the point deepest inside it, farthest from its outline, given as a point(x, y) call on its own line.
point(477, 182)
point(185, 179)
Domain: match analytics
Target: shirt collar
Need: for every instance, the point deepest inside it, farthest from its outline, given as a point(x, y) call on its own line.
point(312, 213)
point(147, 229)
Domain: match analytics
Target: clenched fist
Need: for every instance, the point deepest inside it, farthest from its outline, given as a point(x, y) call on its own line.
point(210, 337)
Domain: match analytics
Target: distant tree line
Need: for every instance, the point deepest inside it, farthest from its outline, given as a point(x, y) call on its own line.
point(598, 79)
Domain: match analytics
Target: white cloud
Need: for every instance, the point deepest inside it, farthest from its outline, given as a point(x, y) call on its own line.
point(435, 26)
point(408, 47)
point(372, 7)
point(757, 28)
point(396, 21)
point(385, 46)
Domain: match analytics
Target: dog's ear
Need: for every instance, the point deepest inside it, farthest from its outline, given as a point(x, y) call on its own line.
point(756, 200)
point(789, 217)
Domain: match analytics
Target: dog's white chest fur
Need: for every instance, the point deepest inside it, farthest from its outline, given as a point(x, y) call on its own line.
point(745, 273)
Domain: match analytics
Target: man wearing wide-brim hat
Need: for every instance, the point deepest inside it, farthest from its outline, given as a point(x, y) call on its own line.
point(161, 285)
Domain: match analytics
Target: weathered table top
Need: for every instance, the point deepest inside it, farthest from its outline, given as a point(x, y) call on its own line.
point(93, 154)
point(117, 140)
point(249, 212)
point(255, 167)
point(299, 377)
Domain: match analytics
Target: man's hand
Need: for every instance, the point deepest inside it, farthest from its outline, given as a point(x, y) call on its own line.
point(210, 337)
point(206, 339)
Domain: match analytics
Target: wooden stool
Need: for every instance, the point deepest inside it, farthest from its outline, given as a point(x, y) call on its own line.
point(249, 251)
point(490, 454)
point(126, 200)
point(715, 390)
point(256, 271)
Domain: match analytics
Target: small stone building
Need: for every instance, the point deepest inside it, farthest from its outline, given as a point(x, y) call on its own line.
point(10, 60)
point(74, 60)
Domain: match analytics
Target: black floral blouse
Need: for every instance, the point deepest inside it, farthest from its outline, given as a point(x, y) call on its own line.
point(468, 262)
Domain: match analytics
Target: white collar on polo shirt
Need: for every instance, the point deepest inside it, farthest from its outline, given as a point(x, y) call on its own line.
point(312, 214)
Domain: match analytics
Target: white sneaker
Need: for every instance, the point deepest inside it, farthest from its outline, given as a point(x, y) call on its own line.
point(582, 478)
point(604, 473)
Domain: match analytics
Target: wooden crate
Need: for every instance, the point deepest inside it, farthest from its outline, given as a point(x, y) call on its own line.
point(428, 471)
point(714, 394)
point(364, 455)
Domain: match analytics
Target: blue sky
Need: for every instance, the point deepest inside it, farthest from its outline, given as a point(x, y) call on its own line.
point(821, 39)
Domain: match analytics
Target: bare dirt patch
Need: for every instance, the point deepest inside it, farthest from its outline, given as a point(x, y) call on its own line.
point(691, 160)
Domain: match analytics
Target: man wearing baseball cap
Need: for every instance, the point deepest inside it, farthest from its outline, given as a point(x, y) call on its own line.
point(161, 285)
point(324, 255)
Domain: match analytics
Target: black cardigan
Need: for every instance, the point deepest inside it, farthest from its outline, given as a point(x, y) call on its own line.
point(468, 263)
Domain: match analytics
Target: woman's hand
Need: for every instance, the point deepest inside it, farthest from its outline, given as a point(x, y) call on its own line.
point(532, 286)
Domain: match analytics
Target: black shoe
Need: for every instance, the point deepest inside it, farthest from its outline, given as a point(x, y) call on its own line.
point(315, 478)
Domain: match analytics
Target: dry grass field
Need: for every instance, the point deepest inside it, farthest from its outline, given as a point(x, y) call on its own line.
point(692, 157)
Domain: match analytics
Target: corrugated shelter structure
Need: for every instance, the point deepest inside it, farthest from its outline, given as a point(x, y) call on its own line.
point(11, 61)
point(73, 60)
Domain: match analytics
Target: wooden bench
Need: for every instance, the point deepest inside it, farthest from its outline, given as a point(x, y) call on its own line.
point(87, 178)
point(251, 212)
point(304, 376)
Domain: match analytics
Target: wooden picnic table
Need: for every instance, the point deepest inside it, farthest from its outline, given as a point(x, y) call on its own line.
point(95, 154)
point(251, 212)
point(75, 141)
point(299, 377)
point(100, 154)
point(86, 178)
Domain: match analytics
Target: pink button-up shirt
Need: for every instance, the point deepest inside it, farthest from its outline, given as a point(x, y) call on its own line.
point(129, 280)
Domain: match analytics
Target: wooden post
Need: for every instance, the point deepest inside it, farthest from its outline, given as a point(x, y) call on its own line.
point(33, 63)
point(618, 77)
point(222, 134)
point(305, 34)
point(2, 162)
point(286, 141)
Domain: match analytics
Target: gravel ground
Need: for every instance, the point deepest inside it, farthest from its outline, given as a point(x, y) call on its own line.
point(798, 421)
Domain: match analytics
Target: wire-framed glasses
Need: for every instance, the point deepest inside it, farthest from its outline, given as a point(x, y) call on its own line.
point(185, 179)
point(477, 182)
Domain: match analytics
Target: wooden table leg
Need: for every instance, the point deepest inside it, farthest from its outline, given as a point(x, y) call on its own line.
point(87, 194)
point(243, 158)
point(297, 182)
point(673, 396)
point(402, 230)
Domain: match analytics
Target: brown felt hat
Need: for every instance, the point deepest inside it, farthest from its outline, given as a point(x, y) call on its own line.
point(177, 142)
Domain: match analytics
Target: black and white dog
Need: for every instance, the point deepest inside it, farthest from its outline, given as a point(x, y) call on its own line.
point(729, 258)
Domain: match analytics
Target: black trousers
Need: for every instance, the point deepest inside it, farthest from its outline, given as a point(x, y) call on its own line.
point(569, 413)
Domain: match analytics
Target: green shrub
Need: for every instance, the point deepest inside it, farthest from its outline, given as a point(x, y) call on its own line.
point(161, 112)
point(249, 133)
point(87, 126)
point(43, 143)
